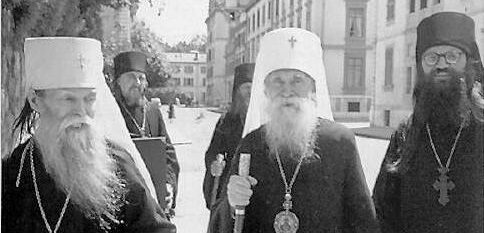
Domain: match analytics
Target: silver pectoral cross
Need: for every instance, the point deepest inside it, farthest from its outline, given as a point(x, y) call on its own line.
point(443, 185)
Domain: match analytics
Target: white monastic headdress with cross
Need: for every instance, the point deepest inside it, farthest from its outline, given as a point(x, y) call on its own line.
point(73, 62)
point(287, 48)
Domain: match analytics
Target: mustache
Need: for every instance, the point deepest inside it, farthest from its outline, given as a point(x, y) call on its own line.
point(288, 101)
point(450, 71)
point(72, 122)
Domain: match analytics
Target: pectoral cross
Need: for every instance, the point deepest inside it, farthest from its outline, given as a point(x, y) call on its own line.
point(82, 60)
point(443, 185)
point(292, 41)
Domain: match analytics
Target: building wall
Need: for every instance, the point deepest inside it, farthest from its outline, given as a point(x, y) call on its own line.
point(197, 90)
point(218, 37)
point(401, 35)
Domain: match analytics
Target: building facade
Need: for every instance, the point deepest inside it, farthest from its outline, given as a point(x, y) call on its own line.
point(189, 76)
point(395, 70)
point(347, 35)
point(218, 25)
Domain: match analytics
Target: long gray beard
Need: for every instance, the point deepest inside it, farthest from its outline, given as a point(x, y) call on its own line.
point(291, 130)
point(79, 162)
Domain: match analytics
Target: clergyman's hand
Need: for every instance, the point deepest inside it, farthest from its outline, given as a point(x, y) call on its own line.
point(239, 190)
point(217, 166)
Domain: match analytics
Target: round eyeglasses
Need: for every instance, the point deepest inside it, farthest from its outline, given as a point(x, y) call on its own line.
point(451, 57)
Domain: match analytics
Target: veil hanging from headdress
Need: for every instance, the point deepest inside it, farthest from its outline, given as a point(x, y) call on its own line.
point(287, 48)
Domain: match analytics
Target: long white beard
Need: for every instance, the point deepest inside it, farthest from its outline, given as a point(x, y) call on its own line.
point(291, 126)
point(78, 161)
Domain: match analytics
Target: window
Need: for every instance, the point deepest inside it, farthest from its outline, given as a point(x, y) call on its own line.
point(436, 2)
point(354, 78)
point(209, 55)
point(253, 22)
point(408, 87)
point(269, 10)
point(248, 24)
point(277, 8)
point(291, 4)
point(390, 11)
point(258, 18)
point(210, 72)
point(299, 16)
point(356, 22)
point(423, 4)
point(263, 15)
point(176, 81)
point(308, 19)
point(353, 106)
point(412, 6)
point(386, 117)
point(203, 69)
point(188, 82)
point(409, 50)
point(389, 67)
point(188, 69)
point(204, 82)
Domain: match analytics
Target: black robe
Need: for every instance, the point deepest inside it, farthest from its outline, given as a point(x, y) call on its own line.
point(155, 127)
point(21, 214)
point(329, 195)
point(409, 203)
point(226, 137)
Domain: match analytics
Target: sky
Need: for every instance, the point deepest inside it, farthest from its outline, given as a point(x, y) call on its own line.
point(180, 20)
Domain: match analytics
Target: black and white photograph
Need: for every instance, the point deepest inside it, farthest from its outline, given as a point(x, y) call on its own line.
point(242, 116)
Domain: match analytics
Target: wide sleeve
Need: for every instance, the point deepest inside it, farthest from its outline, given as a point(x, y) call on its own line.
point(216, 146)
point(386, 193)
point(359, 210)
point(141, 213)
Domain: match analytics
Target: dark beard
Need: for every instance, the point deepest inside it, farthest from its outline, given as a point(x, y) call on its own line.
point(445, 106)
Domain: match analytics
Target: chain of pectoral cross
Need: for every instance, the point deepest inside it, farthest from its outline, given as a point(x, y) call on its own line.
point(443, 184)
point(142, 128)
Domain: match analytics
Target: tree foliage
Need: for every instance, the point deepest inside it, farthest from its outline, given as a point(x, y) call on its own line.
point(197, 43)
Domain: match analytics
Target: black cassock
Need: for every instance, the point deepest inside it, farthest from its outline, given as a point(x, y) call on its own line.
point(409, 202)
point(329, 195)
point(21, 214)
point(226, 137)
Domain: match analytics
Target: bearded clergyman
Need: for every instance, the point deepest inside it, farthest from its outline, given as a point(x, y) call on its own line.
point(75, 168)
point(227, 134)
point(432, 176)
point(305, 173)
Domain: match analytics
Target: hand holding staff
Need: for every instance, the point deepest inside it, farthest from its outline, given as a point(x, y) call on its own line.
point(216, 170)
point(244, 165)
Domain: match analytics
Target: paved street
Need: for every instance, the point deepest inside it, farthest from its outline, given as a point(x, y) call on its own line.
point(193, 136)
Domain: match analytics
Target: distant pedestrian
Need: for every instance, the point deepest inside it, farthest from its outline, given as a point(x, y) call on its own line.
point(171, 112)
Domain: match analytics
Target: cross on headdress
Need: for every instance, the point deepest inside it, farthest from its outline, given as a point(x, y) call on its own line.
point(82, 61)
point(292, 41)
